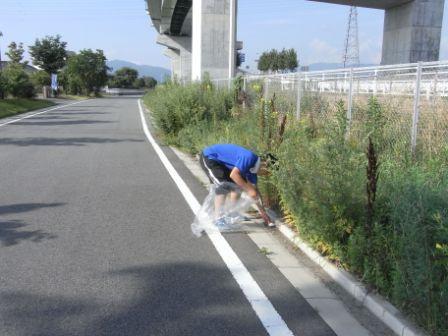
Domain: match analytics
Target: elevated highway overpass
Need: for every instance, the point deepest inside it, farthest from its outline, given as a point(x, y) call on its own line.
point(200, 35)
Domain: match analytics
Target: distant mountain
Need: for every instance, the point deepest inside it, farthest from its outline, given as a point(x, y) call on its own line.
point(158, 73)
point(332, 66)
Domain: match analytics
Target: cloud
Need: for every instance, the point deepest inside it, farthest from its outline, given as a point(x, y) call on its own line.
point(322, 51)
point(275, 22)
point(370, 50)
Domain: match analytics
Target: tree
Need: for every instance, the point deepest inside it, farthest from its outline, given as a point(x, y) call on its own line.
point(49, 54)
point(274, 60)
point(40, 79)
point(263, 62)
point(278, 61)
point(150, 82)
point(15, 53)
point(18, 82)
point(139, 83)
point(292, 63)
point(124, 78)
point(87, 71)
point(282, 60)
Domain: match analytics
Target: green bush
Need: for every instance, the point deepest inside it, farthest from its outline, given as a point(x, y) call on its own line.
point(2, 82)
point(18, 83)
point(175, 107)
point(418, 209)
point(40, 79)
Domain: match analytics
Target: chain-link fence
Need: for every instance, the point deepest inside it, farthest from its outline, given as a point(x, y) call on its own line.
point(413, 99)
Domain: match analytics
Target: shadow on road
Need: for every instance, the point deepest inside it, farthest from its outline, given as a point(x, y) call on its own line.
point(52, 117)
point(10, 235)
point(32, 314)
point(86, 112)
point(60, 141)
point(167, 299)
point(25, 207)
point(61, 123)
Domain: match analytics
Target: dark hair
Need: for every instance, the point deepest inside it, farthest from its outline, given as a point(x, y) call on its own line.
point(270, 159)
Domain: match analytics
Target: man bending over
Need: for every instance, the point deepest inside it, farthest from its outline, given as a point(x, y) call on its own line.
point(227, 165)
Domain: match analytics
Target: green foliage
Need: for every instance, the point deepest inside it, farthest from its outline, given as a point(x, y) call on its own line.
point(40, 79)
point(2, 82)
point(278, 61)
point(382, 216)
point(175, 107)
point(86, 72)
point(418, 210)
point(49, 54)
point(17, 82)
point(150, 82)
point(124, 78)
point(145, 82)
point(138, 83)
point(15, 53)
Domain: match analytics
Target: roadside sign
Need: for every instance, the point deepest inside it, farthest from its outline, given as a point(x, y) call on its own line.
point(54, 81)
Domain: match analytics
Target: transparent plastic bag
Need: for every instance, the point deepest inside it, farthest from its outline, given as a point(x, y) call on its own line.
point(230, 215)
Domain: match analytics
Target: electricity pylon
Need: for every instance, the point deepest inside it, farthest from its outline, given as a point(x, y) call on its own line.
point(351, 48)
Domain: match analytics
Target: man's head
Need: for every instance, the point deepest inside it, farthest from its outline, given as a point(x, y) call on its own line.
point(264, 163)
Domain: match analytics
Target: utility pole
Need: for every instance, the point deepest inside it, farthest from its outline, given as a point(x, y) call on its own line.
point(2, 94)
point(351, 48)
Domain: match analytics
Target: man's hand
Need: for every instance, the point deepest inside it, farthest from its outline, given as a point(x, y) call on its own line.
point(265, 217)
point(251, 190)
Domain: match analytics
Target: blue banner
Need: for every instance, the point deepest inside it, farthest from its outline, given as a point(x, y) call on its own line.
point(54, 81)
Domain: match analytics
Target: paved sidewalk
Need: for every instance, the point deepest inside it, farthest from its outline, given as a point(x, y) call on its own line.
point(338, 309)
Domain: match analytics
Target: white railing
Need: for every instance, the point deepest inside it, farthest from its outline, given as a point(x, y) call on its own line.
point(419, 83)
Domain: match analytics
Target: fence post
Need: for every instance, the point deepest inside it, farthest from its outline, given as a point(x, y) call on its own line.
point(415, 116)
point(350, 101)
point(375, 88)
point(299, 95)
point(266, 87)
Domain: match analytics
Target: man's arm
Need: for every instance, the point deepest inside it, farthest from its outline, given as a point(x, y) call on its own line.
point(251, 190)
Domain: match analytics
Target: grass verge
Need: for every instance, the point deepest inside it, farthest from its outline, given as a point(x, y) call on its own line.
point(10, 107)
point(74, 97)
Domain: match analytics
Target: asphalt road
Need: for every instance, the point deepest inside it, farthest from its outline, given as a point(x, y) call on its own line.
point(95, 237)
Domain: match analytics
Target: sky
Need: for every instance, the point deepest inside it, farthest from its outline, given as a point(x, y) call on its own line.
point(124, 31)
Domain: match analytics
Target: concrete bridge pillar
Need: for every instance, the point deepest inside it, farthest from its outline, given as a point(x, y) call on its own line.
point(214, 35)
point(174, 56)
point(412, 32)
point(179, 50)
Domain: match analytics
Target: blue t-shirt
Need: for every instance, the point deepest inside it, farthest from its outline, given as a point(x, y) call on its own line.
point(234, 156)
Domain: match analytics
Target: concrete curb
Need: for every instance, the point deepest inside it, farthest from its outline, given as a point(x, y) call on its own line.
point(377, 305)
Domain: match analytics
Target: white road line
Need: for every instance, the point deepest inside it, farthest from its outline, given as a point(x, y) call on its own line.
point(269, 317)
point(35, 114)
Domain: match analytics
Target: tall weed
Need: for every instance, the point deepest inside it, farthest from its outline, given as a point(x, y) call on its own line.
point(383, 215)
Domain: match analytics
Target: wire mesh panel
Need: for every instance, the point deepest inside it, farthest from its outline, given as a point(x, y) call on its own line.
point(432, 128)
point(405, 105)
point(383, 107)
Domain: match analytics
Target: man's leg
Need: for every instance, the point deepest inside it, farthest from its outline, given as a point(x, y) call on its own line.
point(220, 199)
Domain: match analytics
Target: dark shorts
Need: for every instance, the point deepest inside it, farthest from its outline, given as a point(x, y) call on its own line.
point(218, 174)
